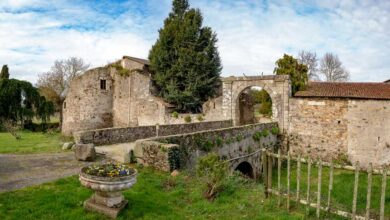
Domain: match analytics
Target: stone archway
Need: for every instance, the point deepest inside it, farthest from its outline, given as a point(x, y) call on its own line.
point(277, 86)
point(246, 169)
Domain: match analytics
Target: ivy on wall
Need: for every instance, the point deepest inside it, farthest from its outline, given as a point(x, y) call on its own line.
point(178, 156)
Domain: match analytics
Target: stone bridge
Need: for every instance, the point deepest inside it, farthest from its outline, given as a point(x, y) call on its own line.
point(277, 86)
point(240, 145)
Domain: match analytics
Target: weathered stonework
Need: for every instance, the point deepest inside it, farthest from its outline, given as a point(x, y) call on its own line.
point(129, 134)
point(125, 101)
point(154, 154)
point(339, 129)
point(126, 109)
point(277, 86)
point(229, 143)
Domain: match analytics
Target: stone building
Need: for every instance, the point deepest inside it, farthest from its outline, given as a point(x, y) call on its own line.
point(340, 121)
point(121, 95)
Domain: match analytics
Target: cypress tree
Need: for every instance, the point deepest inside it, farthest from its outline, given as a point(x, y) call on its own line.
point(185, 61)
point(4, 74)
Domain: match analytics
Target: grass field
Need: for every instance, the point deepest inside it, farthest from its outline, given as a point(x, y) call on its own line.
point(153, 197)
point(342, 193)
point(32, 142)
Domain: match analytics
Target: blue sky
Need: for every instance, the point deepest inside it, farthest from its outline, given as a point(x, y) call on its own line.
point(252, 34)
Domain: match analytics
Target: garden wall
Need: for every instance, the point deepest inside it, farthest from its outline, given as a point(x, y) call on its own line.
point(129, 134)
point(182, 151)
point(341, 129)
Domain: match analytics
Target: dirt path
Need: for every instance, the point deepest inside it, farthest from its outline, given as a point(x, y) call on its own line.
point(18, 171)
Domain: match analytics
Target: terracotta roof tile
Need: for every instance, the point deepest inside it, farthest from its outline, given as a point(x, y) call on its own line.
point(346, 90)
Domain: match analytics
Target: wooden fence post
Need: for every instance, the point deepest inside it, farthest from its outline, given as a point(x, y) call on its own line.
point(288, 180)
point(279, 176)
point(269, 184)
point(330, 188)
point(308, 186)
point(298, 179)
point(369, 183)
point(355, 190)
point(264, 163)
point(383, 194)
point(319, 189)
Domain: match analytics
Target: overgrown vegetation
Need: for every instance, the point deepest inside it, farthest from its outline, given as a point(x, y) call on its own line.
point(200, 118)
point(185, 61)
point(156, 195)
point(213, 171)
point(187, 119)
point(175, 114)
point(120, 70)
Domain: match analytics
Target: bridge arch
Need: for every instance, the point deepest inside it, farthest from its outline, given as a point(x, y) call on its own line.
point(246, 169)
point(277, 86)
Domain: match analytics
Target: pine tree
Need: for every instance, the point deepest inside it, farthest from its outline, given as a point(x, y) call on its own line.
point(185, 61)
point(4, 74)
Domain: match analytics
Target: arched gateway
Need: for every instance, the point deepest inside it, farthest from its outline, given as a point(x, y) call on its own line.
point(277, 86)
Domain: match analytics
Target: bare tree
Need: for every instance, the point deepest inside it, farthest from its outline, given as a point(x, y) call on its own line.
point(310, 60)
point(332, 69)
point(54, 84)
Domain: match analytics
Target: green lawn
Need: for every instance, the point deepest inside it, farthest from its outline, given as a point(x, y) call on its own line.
point(342, 193)
point(31, 142)
point(151, 198)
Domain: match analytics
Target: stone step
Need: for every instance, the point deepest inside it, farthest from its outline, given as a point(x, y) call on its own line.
point(117, 152)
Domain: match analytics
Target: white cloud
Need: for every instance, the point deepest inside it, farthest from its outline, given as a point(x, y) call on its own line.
point(252, 35)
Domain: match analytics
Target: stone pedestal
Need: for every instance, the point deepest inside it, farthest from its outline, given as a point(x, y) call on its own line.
point(109, 206)
point(108, 198)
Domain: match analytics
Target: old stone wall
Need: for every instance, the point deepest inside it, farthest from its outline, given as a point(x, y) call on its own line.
point(341, 129)
point(87, 106)
point(229, 143)
point(130, 134)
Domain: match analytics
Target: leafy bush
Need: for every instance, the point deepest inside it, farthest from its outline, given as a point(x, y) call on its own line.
point(175, 114)
point(41, 127)
point(200, 118)
point(187, 119)
point(257, 136)
point(213, 172)
point(275, 130)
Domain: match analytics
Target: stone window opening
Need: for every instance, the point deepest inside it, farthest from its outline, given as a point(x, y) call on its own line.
point(103, 84)
point(64, 105)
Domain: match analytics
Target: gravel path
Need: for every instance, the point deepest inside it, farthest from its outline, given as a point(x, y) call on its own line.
point(18, 171)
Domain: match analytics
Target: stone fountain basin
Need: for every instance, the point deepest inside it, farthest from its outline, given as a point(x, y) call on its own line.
point(107, 184)
point(108, 198)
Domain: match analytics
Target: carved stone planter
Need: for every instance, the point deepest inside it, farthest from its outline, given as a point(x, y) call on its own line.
point(108, 198)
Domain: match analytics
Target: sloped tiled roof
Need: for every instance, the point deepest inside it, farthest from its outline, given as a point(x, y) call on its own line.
point(139, 60)
point(346, 90)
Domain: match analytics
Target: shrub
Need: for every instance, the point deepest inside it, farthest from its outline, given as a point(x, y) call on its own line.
point(275, 130)
point(213, 172)
point(41, 127)
point(187, 119)
point(200, 118)
point(256, 136)
point(175, 114)
point(265, 133)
